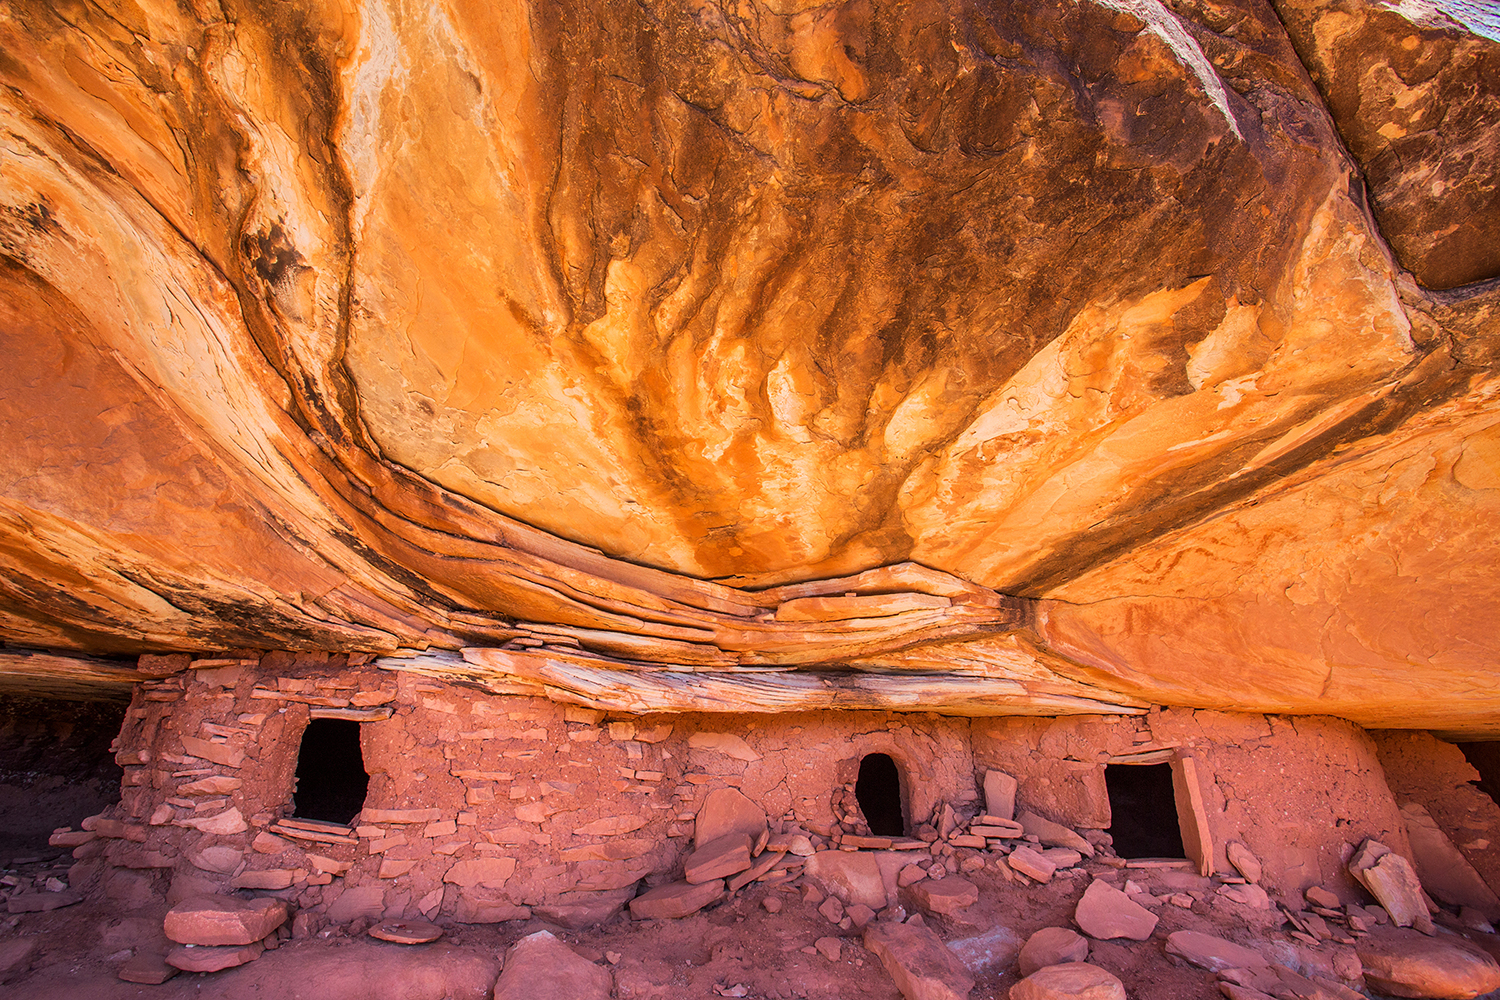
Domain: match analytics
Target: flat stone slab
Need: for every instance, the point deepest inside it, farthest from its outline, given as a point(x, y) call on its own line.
point(1439, 968)
point(1000, 794)
point(1445, 873)
point(1212, 953)
point(578, 910)
point(540, 967)
point(42, 902)
point(717, 859)
point(491, 873)
point(1073, 981)
point(945, 897)
point(1062, 857)
point(1392, 880)
point(768, 859)
point(918, 962)
point(1054, 834)
point(1030, 862)
point(1052, 946)
point(148, 968)
point(357, 901)
point(212, 958)
point(406, 931)
point(1250, 895)
point(679, 899)
point(1106, 913)
point(223, 920)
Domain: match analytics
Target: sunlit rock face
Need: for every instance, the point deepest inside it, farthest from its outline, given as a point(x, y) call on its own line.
point(1416, 96)
point(578, 325)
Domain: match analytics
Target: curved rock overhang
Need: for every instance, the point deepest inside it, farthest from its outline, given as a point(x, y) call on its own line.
point(978, 357)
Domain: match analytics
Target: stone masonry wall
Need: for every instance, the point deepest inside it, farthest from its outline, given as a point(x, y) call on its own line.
point(486, 807)
point(479, 807)
point(1301, 792)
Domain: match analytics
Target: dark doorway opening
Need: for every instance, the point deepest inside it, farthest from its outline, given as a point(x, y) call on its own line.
point(878, 792)
point(331, 778)
point(1485, 757)
point(1143, 811)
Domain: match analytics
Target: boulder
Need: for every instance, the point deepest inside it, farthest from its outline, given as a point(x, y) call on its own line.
point(726, 811)
point(1073, 981)
point(831, 909)
point(918, 962)
point(1105, 913)
point(219, 859)
point(1246, 863)
point(17, 953)
point(1441, 968)
point(995, 949)
point(1052, 946)
point(1212, 953)
point(677, 899)
point(853, 876)
point(945, 897)
point(223, 920)
point(540, 967)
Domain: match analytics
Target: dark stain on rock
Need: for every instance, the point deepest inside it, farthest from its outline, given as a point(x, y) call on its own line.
point(271, 254)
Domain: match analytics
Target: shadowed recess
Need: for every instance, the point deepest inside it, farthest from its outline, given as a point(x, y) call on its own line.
point(1485, 757)
point(878, 791)
point(331, 777)
point(1143, 808)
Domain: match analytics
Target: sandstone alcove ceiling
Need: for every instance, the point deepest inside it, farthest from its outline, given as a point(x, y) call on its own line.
point(992, 358)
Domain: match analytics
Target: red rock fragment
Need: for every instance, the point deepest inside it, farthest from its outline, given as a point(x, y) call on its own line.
point(675, 900)
point(223, 920)
point(917, 960)
point(212, 958)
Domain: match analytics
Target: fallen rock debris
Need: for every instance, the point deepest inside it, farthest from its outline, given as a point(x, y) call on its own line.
point(898, 898)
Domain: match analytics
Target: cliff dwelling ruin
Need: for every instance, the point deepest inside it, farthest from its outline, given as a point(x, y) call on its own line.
point(767, 499)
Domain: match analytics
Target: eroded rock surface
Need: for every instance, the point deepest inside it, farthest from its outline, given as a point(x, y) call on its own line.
point(586, 335)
